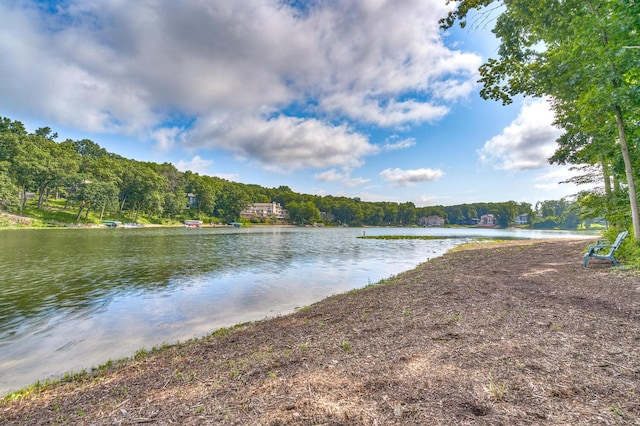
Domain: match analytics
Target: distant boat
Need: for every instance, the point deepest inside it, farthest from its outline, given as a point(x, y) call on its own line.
point(193, 223)
point(133, 225)
point(236, 224)
point(111, 223)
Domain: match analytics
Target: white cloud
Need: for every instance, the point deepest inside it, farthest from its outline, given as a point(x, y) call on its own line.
point(281, 143)
point(351, 182)
point(394, 143)
point(344, 179)
point(399, 177)
point(127, 67)
point(556, 177)
point(551, 186)
point(557, 174)
point(425, 200)
point(165, 138)
point(228, 176)
point(196, 165)
point(394, 113)
point(526, 143)
point(377, 197)
point(331, 175)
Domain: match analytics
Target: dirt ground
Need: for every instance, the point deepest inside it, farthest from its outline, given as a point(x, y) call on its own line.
point(493, 334)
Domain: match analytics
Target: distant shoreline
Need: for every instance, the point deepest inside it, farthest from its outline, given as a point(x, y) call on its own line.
point(22, 222)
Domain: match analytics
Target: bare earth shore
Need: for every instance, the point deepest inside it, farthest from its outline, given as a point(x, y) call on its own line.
point(502, 333)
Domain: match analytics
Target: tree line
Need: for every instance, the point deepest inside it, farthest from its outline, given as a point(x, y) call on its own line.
point(97, 185)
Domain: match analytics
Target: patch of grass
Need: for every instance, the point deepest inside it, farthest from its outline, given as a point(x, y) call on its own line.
point(140, 354)
point(53, 213)
point(107, 365)
point(236, 367)
point(345, 346)
point(616, 410)
point(36, 388)
point(404, 237)
point(555, 326)
point(39, 386)
point(224, 331)
point(497, 391)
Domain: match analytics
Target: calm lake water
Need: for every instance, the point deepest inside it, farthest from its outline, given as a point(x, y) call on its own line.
point(73, 299)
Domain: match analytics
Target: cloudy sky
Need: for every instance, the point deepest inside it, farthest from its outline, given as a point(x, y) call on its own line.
point(361, 98)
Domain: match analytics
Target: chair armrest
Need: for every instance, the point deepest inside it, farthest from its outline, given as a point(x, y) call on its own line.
point(601, 246)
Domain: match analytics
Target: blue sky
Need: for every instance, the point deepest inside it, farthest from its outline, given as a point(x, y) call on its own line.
point(360, 98)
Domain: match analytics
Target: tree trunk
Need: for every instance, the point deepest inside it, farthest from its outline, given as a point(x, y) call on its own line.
point(628, 168)
point(136, 210)
point(80, 211)
point(102, 212)
point(23, 199)
point(607, 177)
point(41, 197)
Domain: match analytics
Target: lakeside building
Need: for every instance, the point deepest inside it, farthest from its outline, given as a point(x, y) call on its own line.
point(192, 200)
point(327, 216)
point(522, 219)
point(473, 221)
point(264, 211)
point(487, 220)
point(433, 220)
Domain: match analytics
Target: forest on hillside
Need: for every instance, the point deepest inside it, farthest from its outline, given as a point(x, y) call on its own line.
point(89, 184)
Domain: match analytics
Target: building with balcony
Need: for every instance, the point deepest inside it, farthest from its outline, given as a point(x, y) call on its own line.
point(265, 211)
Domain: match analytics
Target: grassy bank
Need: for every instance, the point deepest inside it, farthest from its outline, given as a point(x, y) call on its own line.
point(503, 333)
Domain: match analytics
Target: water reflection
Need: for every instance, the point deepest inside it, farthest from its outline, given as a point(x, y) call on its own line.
point(71, 299)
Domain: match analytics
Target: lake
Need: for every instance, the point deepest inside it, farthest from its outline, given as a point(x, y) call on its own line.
point(72, 299)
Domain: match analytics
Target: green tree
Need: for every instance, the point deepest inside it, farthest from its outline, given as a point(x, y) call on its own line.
point(207, 190)
point(471, 212)
point(303, 213)
point(8, 190)
point(455, 214)
point(310, 212)
point(52, 163)
point(94, 194)
point(573, 51)
point(13, 127)
point(11, 147)
point(141, 190)
point(390, 213)
point(373, 214)
point(231, 201)
point(349, 212)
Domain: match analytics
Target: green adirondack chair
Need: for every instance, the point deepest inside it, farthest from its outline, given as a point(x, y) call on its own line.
point(598, 251)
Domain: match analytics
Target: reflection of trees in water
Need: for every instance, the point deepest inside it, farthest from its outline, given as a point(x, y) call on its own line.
point(46, 273)
point(60, 274)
